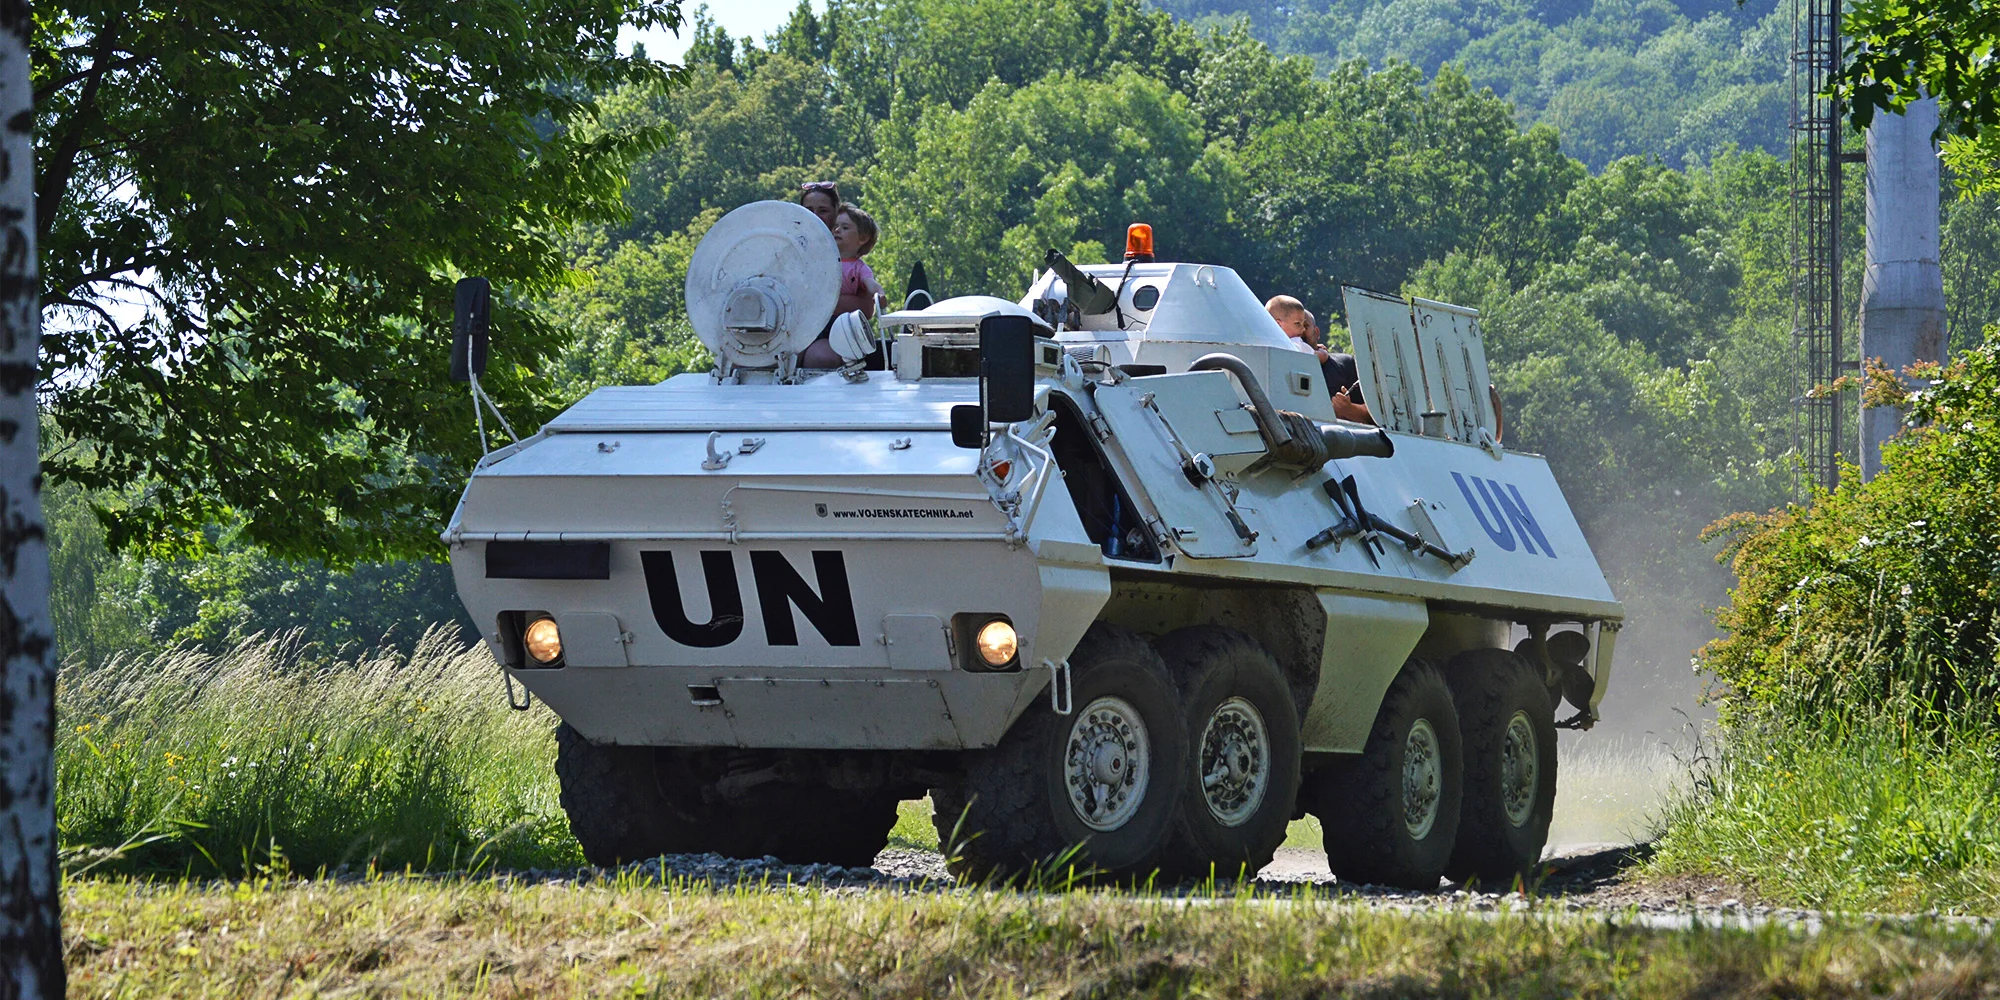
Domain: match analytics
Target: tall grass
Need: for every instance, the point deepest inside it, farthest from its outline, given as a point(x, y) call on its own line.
point(187, 762)
point(1868, 809)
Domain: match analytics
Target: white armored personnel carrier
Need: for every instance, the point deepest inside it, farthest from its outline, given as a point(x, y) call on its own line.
point(1097, 569)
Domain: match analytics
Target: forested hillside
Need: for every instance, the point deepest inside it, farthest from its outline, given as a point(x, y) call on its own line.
point(1678, 79)
point(1636, 310)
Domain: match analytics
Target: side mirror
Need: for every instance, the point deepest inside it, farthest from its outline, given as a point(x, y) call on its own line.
point(1007, 368)
point(968, 426)
point(471, 315)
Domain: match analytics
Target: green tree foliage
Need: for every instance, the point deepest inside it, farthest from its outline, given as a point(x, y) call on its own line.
point(250, 218)
point(979, 194)
point(1970, 250)
point(1883, 592)
point(946, 51)
point(1901, 50)
point(106, 603)
point(94, 596)
point(1241, 87)
point(1678, 79)
point(735, 140)
point(1394, 173)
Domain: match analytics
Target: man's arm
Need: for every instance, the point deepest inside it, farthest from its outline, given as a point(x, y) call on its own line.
point(1347, 409)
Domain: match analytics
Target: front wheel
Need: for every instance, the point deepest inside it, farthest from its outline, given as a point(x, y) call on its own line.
point(1094, 790)
point(630, 803)
point(1391, 816)
point(1243, 752)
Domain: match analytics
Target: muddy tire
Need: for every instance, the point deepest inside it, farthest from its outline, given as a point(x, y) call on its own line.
point(623, 806)
point(1391, 816)
point(1091, 792)
point(1508, 723)
point(1243, 753)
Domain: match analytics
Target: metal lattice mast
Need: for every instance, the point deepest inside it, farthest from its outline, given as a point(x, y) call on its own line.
point(1815, 240)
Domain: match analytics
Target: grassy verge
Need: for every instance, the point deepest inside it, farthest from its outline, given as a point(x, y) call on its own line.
point(474, 938)
point(186, 762)
point(1847, 814)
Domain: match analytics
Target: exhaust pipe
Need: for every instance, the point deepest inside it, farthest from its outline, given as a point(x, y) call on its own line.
point(1293, 439)
point(1351, 442)
point(1276, 434)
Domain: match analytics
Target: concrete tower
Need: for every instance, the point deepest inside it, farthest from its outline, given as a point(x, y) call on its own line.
point(1902, 291)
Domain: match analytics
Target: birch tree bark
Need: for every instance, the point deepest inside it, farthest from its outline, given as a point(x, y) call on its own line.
point(30, 917)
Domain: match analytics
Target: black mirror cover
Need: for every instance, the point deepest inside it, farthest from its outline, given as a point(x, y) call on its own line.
point(471, 315)
point(968, 426)
point(1007, 368)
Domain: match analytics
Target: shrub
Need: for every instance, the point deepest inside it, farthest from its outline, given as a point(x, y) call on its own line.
point(1885, 593)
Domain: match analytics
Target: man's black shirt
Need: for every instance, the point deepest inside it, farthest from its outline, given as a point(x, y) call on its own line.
point(1340, 372)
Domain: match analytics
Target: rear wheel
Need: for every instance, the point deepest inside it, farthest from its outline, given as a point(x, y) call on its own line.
point(1508, 720)
point(1391, 816)
point(1243, 752)
point(1102, 781)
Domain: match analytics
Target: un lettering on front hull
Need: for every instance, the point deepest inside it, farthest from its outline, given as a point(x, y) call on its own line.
point(811, 602)
point(826, 602)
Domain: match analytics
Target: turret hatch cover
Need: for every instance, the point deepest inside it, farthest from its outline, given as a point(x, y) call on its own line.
point(1196, 518)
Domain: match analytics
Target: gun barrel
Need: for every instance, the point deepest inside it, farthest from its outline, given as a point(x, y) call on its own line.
point(1090, 295)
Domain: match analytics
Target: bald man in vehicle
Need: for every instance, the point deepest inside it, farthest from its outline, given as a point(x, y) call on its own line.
point(1343, 379)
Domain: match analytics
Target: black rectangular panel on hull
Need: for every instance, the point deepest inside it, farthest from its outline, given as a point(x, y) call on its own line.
point(548, 560)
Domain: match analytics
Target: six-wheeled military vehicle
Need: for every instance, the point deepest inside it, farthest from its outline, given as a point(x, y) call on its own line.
point(1098, 570)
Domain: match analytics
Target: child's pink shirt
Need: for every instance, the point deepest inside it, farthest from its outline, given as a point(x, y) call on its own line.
point(858, 288)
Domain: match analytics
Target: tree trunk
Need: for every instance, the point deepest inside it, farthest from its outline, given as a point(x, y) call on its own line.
point(31, 963)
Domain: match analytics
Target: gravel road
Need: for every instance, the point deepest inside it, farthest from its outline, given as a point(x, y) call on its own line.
point(1582, 880)
point(1596, 876)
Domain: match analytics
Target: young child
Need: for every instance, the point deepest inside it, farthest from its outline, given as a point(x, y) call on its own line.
point(854, 234)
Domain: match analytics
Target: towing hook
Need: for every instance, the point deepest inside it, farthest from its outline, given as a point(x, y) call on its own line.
point(716, 459)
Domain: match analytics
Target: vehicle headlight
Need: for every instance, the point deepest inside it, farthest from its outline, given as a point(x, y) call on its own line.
point(543, 641)
point(997, 643)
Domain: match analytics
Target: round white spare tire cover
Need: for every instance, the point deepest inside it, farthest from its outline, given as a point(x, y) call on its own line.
point(774, 249)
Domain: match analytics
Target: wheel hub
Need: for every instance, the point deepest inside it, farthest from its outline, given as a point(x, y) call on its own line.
point(1520, 769)
point(1423, 779)
point(1235, 762)
point(1106, 763)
